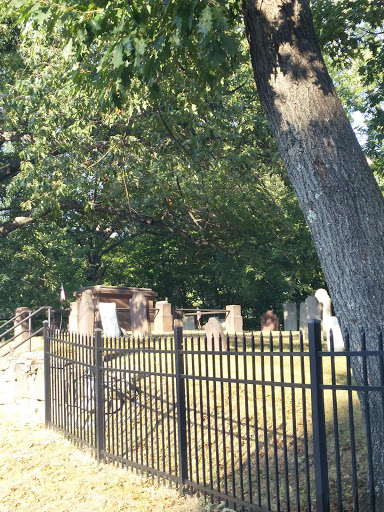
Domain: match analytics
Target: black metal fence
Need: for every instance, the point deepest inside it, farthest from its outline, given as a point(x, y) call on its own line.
point(270, 424)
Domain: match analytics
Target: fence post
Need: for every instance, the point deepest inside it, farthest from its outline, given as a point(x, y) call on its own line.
point(181, 409)
point(318, 417)
point(47, 374)
point(99, 395)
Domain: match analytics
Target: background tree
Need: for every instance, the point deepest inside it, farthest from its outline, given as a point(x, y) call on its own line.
point(126, 51)
point(201, 183)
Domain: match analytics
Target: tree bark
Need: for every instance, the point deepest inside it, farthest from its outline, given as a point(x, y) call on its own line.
point(335, 186)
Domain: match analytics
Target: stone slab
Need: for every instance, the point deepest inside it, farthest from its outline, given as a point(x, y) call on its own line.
point(108, 315)
point(139, 314)
point(290, 316)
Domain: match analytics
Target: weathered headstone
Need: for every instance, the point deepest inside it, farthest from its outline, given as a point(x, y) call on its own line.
point(139, 314)
point(310, 309)
point(214, 332)
point(163, 321)
point(269, 321)
point(189, 323)
point(331, 323)
point(323, 297)
point(290, 316)
point(108, 315)
point(73, 321)
point(234, 320)
point(86, 314)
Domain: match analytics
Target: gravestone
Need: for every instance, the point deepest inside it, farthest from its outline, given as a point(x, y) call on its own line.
point(323, 297)
point(86, 314)
point(163, 321)
point(290, 316)
point(310, 309)
point(73, 321)
point(108, 315)
point(234, 320)
point(331, 323)
point(214, 331)
point(189, 323)
point(139, 314)
point(269, 321)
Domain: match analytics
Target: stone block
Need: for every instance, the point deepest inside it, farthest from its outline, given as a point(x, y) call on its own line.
point(234, 319)
point(163, 321)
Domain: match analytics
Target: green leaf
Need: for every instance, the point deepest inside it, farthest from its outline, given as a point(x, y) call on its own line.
point(117, 56)
point(205, 21)
point(67, 51)
point(140, 46)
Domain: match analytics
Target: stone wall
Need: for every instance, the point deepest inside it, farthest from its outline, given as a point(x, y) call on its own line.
point(22, 384)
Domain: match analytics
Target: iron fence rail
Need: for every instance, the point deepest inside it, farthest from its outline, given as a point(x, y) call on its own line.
point(271, 424)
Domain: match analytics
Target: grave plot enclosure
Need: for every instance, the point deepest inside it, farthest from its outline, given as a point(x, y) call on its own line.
point(85, 313)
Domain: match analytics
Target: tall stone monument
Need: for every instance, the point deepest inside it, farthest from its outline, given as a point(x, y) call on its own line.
point(139, 314)
point(86, 318)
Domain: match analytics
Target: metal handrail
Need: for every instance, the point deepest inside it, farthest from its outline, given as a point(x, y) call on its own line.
point(10, 320)
point(21, 343)
point(26, 318)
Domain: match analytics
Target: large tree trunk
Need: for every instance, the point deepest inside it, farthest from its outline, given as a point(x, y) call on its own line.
point(335, 186)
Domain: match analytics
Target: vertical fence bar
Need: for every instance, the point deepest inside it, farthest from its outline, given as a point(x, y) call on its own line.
point(99, 398)
point(318, 417)
point(181, 409)
point(47, 374)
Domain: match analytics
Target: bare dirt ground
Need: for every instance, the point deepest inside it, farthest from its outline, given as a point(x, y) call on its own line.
point(42, 471)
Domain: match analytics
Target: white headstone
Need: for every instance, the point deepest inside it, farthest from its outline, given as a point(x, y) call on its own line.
point(108, 315)
point(214, 332)
point(323, 297)
point(331, 323)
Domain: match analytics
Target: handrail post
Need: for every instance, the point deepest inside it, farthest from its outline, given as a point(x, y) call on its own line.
point(47, 374)
point(181, 408)
point(99, 395)
point(318, 417)
point(30, 333)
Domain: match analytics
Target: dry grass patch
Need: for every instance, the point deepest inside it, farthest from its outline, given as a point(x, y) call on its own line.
point(42, 471)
